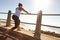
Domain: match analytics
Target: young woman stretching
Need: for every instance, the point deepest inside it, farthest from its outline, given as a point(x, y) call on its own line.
point(16, 15)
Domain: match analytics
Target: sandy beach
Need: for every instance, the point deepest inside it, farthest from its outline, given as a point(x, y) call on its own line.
point(29, 33)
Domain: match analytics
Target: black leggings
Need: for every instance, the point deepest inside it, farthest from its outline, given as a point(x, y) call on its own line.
point(16, 20)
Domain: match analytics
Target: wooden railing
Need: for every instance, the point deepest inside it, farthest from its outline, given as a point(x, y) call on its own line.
point(36, 14)
point(38, 23)
point(34, 23)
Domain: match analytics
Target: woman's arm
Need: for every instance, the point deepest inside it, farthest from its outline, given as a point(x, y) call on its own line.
point(26, 11)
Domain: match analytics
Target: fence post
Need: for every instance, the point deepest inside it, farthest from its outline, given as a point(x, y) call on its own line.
point(8, 22)
point(37, 34)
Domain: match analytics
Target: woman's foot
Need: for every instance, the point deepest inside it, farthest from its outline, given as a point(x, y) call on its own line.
point(18, 29)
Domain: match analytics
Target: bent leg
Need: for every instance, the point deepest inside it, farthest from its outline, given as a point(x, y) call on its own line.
point(17, 23)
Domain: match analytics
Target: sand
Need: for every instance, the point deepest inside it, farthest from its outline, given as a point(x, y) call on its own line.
point(30, 33)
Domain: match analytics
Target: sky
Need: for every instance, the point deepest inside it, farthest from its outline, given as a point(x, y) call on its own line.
point(33, 6)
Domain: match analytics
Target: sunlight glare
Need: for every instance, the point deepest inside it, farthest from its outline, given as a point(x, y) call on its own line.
point(41, 4)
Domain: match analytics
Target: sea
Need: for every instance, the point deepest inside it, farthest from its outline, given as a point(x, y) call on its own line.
point(46, 20)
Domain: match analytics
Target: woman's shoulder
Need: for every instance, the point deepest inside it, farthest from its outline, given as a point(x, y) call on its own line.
point(16, 8)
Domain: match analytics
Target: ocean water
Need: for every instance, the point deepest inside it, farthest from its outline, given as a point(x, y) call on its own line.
point(47, 20)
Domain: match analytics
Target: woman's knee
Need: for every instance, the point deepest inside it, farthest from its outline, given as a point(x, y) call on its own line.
point(19, 21)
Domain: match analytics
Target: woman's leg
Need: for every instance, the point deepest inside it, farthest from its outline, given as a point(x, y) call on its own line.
point(18, 28)
point(17, 22)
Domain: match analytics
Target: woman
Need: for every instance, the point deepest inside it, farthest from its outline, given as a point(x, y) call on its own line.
point(16, 15)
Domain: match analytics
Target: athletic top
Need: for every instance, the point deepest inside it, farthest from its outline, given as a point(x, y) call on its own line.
point(17, 12)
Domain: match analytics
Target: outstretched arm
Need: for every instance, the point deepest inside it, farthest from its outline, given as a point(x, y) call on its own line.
point(26, 11)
